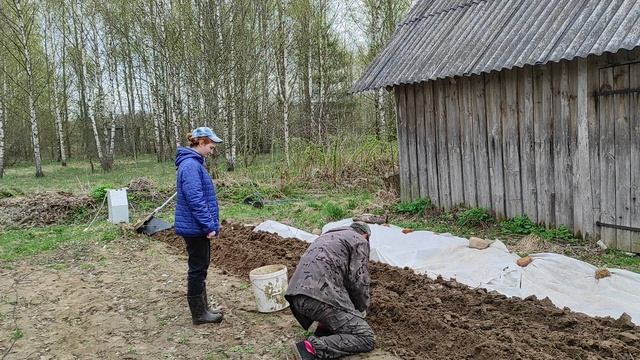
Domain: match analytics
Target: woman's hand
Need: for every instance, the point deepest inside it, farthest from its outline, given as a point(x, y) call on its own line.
point(212, 235)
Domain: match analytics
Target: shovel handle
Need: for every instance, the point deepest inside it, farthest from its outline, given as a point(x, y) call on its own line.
point(165, 203)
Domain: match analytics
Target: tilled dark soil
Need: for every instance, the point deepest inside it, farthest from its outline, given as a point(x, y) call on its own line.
point(419, 318)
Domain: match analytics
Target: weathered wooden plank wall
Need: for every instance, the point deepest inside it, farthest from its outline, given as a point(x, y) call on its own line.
point(558, 142)
point(634, 76)
point(403, 151)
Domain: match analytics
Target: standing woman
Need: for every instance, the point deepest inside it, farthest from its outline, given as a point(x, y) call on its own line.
point(196, 218)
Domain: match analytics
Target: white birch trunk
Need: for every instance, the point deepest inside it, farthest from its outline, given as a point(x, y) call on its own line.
point(285, 124)
point(51, 53)
point(321, 90)
point(283, 82)
point(112, 69)
point(284, 98)
point(155, 103)
point(174, 109)
point(231, 125)
point(226, 109)
point(96, 101)
point(3, 114)
point(380, 105)
point(31, 96)
point(59, 129)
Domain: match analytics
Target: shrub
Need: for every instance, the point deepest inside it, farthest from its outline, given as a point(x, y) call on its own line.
point(521, 225)
point(474, 217)
point(334, 211)
point(99, 192)
point(9, 192)
point(416, 207)
point(559, 233)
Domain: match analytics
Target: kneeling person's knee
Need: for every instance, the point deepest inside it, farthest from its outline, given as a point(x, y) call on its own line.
point(369, 341)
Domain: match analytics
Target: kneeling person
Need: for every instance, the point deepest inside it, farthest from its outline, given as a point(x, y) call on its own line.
point(331, 286)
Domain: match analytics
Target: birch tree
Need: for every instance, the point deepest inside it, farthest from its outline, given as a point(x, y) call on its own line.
point(282, 70)
point(3, 112)
point(19, 25)
point(52, 64)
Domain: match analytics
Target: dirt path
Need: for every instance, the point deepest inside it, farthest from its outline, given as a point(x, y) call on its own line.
point(415, 317)
point(125, 300)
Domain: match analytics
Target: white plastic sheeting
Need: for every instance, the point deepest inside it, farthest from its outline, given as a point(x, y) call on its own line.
point(285, 231)
point(564, 280)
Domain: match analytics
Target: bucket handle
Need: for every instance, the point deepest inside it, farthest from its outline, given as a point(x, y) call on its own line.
point(277, 292)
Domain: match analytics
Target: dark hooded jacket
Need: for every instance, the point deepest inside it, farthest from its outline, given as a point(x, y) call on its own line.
point(197, 205)
point(335, 271)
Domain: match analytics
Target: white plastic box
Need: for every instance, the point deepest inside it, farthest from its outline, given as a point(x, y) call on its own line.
point(118, 206)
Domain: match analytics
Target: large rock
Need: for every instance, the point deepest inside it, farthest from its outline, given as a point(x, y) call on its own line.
point(478, 243)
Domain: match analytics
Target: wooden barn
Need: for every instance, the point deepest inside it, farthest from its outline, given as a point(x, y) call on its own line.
point(521, 107)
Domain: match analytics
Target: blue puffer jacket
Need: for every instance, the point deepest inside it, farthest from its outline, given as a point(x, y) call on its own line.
point(197, 205)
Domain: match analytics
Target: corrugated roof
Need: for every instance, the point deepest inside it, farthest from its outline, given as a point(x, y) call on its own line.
point(444, 38)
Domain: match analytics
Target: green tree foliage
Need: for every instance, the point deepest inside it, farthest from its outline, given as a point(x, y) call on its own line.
point(133, 77)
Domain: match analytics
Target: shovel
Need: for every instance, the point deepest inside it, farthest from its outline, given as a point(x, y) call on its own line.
point(150, 225)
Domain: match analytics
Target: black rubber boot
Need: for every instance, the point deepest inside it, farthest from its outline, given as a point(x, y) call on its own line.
point(206, 303)
point(199, 314)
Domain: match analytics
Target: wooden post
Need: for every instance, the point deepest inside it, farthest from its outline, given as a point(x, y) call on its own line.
point(511, 143)
point(481, 155)
point(622, 156)
point(542, 135)
point(634, 76)
point(607, 159)
point(468, 138)
point(561, 144)
point(527, 144)
point(494, 134)
point(410, 139)
point(443, 153)
point(421, 135)
point(583, 218)
point(432, 144)
point(401, 106)
point(453, 141)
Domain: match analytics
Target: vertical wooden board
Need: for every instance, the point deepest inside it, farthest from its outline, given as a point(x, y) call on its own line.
point(622, 155)
point(542, 137)
point(453, 140)
point(561, 143)
point(465, 95)
point(593, 109)
point(443, 151)
point(421, 142)
point(511, 143)
point(634, 76)
point(481, 155)
point(414, 183)
point(401, 105)
point(494, 140)
point(583, 218)
point(431, 143)
point(607, 159)
point(527, 144)
point(575, 201)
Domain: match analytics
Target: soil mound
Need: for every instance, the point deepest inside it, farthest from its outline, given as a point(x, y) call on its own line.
point(141, 184)
point(415, 317)
point(42, 208)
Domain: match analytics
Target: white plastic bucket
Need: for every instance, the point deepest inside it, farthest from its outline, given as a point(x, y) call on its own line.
point(269, 285)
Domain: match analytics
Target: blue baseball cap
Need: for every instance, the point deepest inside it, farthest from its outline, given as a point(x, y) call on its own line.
point(205, 131)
